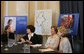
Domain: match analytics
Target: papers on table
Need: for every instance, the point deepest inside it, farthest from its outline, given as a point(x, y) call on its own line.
point(19, 42)
point(1, 45)
point(15, 44)
point(6, 49)
point(36, 45)
point(45, 50)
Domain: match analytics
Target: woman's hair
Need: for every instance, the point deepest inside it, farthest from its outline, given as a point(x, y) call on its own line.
point(55, 28)
point(62, 30)
point(31, 27)
point(9, 20)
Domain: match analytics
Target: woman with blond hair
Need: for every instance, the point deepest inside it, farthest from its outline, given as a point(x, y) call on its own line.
point(64, 46)
point(53, 40)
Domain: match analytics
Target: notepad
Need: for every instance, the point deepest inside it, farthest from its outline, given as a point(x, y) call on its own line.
point(1, 45)
point(45, 50)
point(6, 49)
point(19, 42)
point(36, 45)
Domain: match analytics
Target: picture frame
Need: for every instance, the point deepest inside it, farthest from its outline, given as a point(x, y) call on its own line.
point(70, 22)
point(18, 23)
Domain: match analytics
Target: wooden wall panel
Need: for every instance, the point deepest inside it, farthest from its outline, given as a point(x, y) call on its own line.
point(12, 8)
point(2, 14)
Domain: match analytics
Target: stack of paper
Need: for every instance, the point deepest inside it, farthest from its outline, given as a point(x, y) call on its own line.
point(46, 50)
point(1, 45)
point(36, 45)
point(19, 42)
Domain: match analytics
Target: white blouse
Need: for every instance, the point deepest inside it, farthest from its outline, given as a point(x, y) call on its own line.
point(65, 45)
point(29, 36)
point(52, 41)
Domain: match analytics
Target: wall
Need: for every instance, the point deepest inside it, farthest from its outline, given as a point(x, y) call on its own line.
point(28, 8)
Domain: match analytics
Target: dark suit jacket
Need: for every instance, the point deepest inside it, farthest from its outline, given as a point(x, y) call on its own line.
point(34, 39)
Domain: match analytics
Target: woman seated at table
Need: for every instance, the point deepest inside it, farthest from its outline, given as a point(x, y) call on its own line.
point(64, 46)
point(53, 40)
point(30, 37)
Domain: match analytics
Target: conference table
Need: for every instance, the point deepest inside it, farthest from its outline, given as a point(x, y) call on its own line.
point(19, 48)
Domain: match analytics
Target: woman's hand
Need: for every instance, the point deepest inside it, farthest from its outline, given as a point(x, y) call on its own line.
point(29, 42)
point(12, 31)
point(49, 47)
point(8, 31)
point(22, 40)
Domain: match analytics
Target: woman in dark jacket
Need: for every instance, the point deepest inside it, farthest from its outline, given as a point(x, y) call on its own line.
point(30, 37)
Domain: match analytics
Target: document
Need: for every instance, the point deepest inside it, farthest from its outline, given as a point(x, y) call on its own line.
point(45, 50)
point(19, 42)
point(36, 45)
point(1, 44)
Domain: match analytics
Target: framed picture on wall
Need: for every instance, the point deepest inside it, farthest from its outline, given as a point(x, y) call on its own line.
point(70, 22)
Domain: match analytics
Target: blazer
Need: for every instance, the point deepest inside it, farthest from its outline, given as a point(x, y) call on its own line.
point(34, 39)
